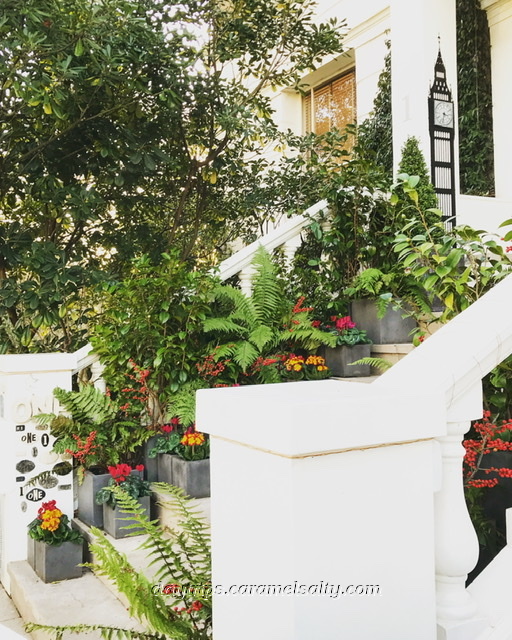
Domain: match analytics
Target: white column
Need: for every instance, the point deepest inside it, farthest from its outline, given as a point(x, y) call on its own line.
point(245, 280)
point(290, 248)
point(456, 539)
point(310, 495)
point(499, 15)
point(97, 370)
point(26, 389)
point(416, 27)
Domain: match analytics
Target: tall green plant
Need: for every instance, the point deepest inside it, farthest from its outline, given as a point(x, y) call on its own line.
point(180, 559)
point(376, 132)
point(474, 93)
point(154, 317)
point(456, 266)
point(262, 323)
point(413, 163)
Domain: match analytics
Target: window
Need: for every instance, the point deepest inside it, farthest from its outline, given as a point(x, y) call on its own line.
point(331, 105)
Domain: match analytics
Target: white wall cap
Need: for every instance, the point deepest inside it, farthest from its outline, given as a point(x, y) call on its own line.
point(461, 352)
point(37, 362)
point(306, 418)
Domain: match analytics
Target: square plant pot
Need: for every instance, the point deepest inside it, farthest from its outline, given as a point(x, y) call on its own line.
point(89, 512)
point(193, 476)
point(55, 562)
point(115, 521)
point(150, 464)
point(165, 467)
point(338, 360)
point(390, 329)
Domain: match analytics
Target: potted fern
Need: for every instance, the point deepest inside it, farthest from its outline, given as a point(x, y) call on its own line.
point(352, 345)
point(54, 549)
point(255, 328)
point(97, 431)
point(130, 481)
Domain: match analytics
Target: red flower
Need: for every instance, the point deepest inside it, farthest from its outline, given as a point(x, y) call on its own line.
point(140, 467)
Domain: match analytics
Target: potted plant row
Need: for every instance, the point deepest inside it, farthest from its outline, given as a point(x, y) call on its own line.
point(54, 550)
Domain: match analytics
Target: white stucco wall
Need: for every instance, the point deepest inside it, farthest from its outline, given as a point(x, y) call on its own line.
point(27, 382)
point(303, 492)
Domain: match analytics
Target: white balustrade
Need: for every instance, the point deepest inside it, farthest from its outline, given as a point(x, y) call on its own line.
point(316, 444)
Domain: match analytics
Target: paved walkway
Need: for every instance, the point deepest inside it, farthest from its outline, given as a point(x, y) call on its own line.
point(11, 625)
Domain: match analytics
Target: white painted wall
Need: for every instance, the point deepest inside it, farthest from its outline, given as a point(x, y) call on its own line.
point(26, 389)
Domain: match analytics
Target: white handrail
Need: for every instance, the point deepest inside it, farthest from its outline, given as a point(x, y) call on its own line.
point(286, 231)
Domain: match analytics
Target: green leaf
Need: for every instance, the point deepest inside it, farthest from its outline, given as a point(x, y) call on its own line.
point(79, 48)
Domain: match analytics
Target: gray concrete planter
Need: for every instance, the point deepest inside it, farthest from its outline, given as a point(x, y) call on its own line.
point(338, 360)
point(193, 476)
point(165, 467)
point(55, 562)
point(150, 464)
point(391, 329)
point(115, 521)
point(89, 512)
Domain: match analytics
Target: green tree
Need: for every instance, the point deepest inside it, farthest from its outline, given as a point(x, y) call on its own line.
point(124, 130)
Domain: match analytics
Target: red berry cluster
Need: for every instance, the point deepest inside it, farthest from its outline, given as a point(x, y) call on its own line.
point(195, 606)
point(488, 441)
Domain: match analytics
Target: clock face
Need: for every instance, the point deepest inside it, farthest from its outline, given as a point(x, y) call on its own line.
point(443, 113)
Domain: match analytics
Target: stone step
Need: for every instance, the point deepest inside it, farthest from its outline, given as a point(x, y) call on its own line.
point(91, 599)
point(84, 600)
point(130, 546)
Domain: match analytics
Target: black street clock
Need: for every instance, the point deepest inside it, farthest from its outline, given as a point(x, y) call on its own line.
point(441, 121)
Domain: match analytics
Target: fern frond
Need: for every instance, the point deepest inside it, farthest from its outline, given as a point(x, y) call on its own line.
point(87, 405)
point(261, 336)
point(108, 633)
point(182, 404)
point(245, 354)
point(378, 363)
point(40, 477)
point(243, 308)
point(267, 294)
point(44, 420)
point(224, 325)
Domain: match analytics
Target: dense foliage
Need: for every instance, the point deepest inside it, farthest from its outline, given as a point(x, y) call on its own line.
point(122, 129)
point(474, 92)
point(376, 132)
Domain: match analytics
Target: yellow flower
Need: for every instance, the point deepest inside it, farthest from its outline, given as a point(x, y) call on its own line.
point(191, 439)
point(51, 519)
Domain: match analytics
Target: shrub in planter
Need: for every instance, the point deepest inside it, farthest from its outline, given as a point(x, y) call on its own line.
point(54, 549)
point(184, 457)
point(352, 344)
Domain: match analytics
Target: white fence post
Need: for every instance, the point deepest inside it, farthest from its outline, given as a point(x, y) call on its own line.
point(320, 488)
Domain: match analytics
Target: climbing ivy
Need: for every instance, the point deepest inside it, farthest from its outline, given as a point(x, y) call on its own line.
point(475, 100)
point(376, 132)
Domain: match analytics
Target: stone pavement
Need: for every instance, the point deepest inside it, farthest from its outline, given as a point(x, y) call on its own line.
point(11, 624)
